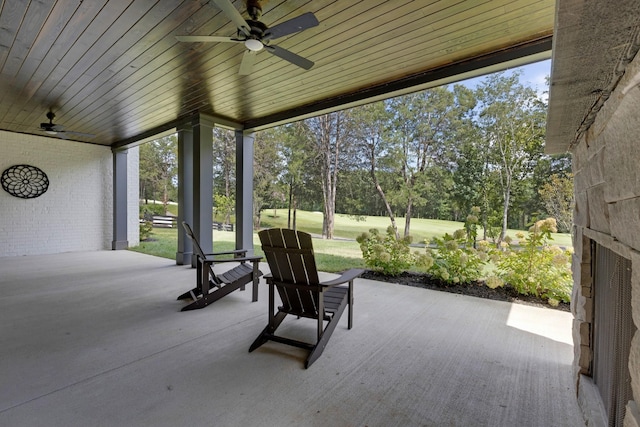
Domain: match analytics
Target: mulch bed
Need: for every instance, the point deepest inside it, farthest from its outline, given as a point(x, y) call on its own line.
point(476, 289)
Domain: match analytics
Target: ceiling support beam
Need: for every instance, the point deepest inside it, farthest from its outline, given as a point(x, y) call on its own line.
point(532, 51)
point(244, 191)
point(203, 182)
point(119, 200)
point(184, 255)
point(170, 128)
point(195, 186)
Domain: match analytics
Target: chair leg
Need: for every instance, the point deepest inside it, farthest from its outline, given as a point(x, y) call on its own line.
point(324, 339)
point(199, 303)
point(268, 331)
point(350, 302)
point(190, 294)
point(210, 298)
point(256, 277)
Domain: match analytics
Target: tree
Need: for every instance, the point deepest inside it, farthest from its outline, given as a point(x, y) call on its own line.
point(469, 177)
point(158, 168)
point(224, 167)
point(375, 149)
point(426, 124)
point(327, 136)
point(557, 195)
point(546, 167)
point(147, 172)
point(296, 157)
point(223, 205)
point(468, 161)
point(512, 120)
point(267, 163)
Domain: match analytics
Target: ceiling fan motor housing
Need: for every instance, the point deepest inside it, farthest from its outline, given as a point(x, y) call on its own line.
point(257, 36)
point(254, 40)
point(257, 28)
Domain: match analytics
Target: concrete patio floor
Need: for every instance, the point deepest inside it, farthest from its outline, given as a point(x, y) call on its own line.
point(97, 339)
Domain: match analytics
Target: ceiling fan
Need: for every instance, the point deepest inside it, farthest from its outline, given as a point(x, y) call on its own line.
point(257, 36)
point(58, 130)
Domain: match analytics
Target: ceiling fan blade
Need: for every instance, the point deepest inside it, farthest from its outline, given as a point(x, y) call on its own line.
point(207, 39)
point(232, 13)
point(248, 59)
point(293, 25)
point(290, 56)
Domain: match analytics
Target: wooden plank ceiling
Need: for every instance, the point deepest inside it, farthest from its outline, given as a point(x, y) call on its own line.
point(114, 68)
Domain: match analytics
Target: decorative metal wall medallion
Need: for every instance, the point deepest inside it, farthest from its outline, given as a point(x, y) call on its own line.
point(24, 181)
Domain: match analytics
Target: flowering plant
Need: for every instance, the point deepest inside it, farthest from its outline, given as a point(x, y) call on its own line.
point(455, 257)
point(386, 254)
point(538, 268)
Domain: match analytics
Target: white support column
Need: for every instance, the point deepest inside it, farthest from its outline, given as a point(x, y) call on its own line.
point(244, 191)
point(119, 200)
point(185, 192)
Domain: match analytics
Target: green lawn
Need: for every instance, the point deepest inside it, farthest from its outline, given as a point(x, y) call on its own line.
point(348, 227)
point(331, 255)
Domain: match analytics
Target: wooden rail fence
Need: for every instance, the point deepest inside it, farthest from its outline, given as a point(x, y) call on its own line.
point(170, 221)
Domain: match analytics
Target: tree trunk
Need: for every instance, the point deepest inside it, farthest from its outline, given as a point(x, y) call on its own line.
point(330, 167)
point(505, 213)
point(374, 178)
point(387, 206)
point(328, 234)
point(227, 179)
point(165, 199)
point(295, 210)
point(407, 218)
point(290, 204)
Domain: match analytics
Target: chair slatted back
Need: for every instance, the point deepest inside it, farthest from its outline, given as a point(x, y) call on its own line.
point(289, 254)
point(199, 252)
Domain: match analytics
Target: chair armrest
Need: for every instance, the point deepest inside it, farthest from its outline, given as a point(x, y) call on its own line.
point(240, 259)
point(347, 276)
point(234, 252)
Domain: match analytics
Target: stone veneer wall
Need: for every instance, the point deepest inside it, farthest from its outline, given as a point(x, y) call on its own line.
point(606, 166)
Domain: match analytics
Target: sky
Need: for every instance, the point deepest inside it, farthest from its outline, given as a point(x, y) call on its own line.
point(533, 75)
point(536, 73)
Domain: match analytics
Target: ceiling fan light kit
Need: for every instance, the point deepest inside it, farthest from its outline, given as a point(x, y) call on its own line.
point(256, 36)
point(253, 44)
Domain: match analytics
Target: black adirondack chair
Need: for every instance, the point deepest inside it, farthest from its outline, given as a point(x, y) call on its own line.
point(293, 272)
point(211, 287)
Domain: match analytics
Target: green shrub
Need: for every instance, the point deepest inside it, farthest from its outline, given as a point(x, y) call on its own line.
point(455, 260)
point(151, 210)
point(471, 225)
point(223, 207)
point(538, 268)
point(386, 254)
point(145, 230)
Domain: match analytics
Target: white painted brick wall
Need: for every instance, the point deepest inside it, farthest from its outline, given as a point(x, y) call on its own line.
point(76, 213)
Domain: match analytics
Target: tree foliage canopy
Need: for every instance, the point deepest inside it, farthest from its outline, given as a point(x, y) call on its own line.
point(433, 154)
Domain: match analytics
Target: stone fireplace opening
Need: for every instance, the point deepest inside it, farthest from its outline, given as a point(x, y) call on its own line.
point(612, 331)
